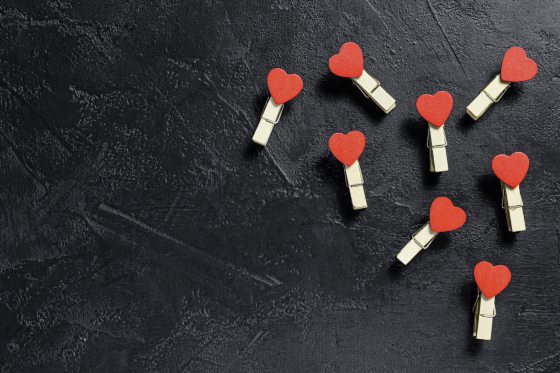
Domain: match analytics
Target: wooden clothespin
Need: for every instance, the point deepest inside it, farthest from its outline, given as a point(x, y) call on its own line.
point(347, 149)
point(511, 170)
point(491, 281)
point(516, 67)
point(435, 110)
point(349, 63)
point(444, 217)
point(282, 88)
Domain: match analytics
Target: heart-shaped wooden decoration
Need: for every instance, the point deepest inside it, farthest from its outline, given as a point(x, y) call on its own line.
point(511, 169)
point(347, 148)
point(491, 280)
point(283, 87)
point(517, 67)
point(445, 217)
point(435, 109)
point(348, 63)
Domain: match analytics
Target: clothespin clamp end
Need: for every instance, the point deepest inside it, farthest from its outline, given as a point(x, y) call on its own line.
point(436, 143)
point(492, 93)
point(512, 203)
point(421, 240)
point(484, 312)
point(371, 88)
point(355, 184)
point(270, 116)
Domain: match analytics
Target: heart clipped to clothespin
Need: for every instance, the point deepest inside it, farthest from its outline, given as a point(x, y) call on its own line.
point(490, 279)
point(511, 169)
point(517, 67)
point(436, 108)
point(348, 62)
point(282, 86)
point(444, 217)
point(347, 149)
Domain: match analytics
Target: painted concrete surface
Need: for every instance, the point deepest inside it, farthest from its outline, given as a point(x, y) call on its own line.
point(141, 231)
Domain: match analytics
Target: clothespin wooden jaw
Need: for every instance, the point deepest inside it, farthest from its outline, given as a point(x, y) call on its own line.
point(355, 184)
point(492, 93)
point(512, 203)
point(270, 116)
point(371, 88)
point(484, 311)
point(421, 240)
point(436, 143)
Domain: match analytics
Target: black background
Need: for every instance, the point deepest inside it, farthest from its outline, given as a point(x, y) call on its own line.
point(141, 231)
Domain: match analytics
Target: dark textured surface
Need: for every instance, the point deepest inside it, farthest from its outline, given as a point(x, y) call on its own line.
point(139, 230)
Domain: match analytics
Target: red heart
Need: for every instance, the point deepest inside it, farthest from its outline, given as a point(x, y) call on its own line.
point(435, 109)
point(511, 169)
point(516, 67)
point(347, 148)
point(348, 63)
point(283, 87)
point(445, 217)
point(491, 280)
